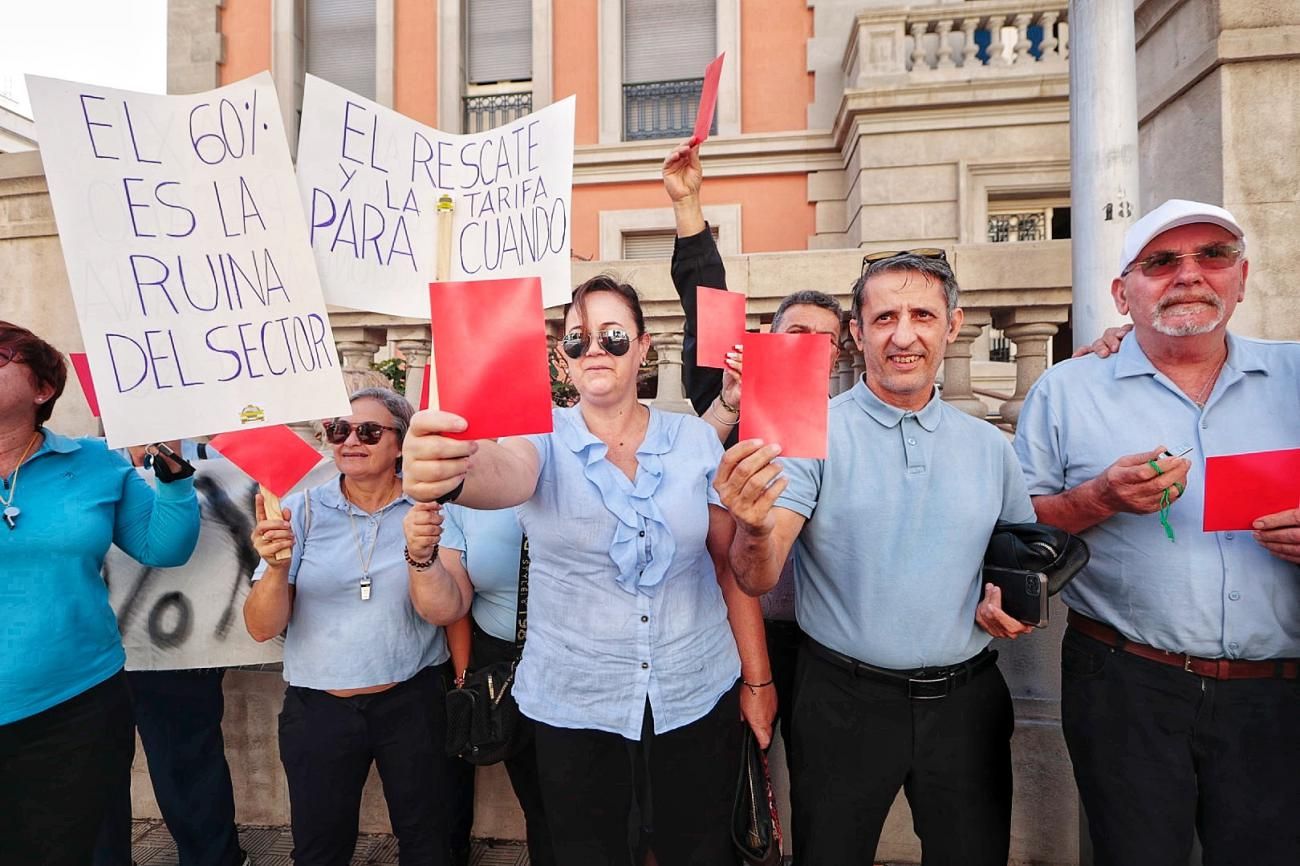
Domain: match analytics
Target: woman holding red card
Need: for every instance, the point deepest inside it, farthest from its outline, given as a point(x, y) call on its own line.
point(642, 652)
point(366, 675)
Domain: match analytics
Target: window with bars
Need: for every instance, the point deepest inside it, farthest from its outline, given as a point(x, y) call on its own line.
point(665, 44)
point(498, 62)
point(1028, 222)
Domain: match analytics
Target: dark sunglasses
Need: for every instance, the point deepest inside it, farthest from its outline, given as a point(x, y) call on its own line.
point(7, 354)
point(1162, 263)
point(923, 252)
point(616, 341)
point(368, 432)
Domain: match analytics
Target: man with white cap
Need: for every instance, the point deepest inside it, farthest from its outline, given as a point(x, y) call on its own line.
point(1180, 700)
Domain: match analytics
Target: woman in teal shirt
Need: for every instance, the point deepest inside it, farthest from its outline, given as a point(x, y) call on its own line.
point(66, 730)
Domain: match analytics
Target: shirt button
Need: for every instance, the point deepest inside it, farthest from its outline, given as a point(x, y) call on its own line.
point(911, 441)
point(1205, 425)
point(645, 665)
point(641, 533)
point(1234, 595)
point(1228, 535)
point(645, 619)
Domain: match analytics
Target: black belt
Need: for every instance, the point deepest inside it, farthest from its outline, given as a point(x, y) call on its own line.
point(921, 684)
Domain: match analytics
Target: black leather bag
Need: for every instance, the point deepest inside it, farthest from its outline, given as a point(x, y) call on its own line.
point(755, 825)
point(483, 720)
point(1037, 547)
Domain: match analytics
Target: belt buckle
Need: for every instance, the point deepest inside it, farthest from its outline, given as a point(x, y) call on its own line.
point(920, 694)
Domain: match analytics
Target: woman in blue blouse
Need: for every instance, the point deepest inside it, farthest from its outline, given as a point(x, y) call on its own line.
point(642, 652)
point(66, 729)
point(365, 671)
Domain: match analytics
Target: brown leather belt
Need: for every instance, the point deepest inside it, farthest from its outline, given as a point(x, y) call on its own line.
point(1215, 669)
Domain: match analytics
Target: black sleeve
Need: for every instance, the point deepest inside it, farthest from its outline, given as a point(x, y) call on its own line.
point(696, 262)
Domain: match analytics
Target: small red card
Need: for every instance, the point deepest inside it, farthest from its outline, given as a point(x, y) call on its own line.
point(783, 391)
point(721, 321)
point(1241, 488)
point(489, 345)
point(708, 101)
point(275, 457)
point(81, 364)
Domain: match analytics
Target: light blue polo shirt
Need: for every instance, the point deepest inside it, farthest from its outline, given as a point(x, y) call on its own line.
point(335, 640)
point(899, 514)
point(489, 543)
point(1209, 594)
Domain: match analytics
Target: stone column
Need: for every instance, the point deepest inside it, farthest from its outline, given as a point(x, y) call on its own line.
point(357, 345)
point(957, 388)
point(415, 342)
point(669, 395)
point(1030, 329)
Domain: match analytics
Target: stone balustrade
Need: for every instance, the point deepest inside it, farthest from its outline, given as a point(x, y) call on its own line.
point(1023, 290)
point(978, 38)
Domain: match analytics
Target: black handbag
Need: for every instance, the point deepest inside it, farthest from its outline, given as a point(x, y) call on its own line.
point(755, 825)
point(483, 720)
point(1037, 547)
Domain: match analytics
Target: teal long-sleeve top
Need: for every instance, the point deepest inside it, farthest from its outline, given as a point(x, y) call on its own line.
point(58, 635)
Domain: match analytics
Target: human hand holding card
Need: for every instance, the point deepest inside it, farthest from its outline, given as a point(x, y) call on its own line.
point(786, 379)
point(275, 457)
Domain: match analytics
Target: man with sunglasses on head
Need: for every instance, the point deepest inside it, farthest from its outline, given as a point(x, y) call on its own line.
point(896, 687)
point(1180, 701)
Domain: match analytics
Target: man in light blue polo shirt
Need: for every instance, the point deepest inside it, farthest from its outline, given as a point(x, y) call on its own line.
point(1179, 695)
point(895, 686)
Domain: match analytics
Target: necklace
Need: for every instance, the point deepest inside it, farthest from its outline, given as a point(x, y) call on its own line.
point(12, 511)
point(1208, 386)
point(363, 559)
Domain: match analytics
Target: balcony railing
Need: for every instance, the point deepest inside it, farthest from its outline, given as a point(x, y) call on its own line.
point(662, 109)
point(493, 109)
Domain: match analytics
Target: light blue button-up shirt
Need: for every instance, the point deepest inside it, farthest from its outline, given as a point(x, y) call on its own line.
point(899, 514)
point(1209, 594)
point(489, 543)
point(624, 602)
point(335, 640)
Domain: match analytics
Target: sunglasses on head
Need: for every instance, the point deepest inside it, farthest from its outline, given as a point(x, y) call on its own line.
point(8, 354)
point(1162, 263)
point(922, 252)
point(368, 432)
point(615, 341)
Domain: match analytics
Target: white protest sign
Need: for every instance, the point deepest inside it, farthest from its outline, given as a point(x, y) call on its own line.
point(187, 255)
point(370, 180)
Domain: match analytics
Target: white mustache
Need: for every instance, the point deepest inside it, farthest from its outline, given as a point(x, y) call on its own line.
point(1211, 299)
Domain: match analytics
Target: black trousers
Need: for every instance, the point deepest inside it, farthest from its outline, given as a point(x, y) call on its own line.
point(327, 744)
point(682, 781)
point(858, 741)
point(784, 637)
point(56, 770)
point(520, 767)
point(178, 714)
point(1158, 750)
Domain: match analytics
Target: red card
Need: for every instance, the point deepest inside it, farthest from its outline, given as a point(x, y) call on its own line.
point(721, 322)
point(489, 346)
point(708, 101)
point(424, 390)
point(275, 457)
point(783, 392)
point(81, 364)
point(1241, 488)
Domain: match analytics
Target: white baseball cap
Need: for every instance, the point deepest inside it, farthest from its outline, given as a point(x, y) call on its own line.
point(1172, 214)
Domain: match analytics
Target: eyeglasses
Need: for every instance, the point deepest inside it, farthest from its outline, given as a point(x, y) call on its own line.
point(616, 341)
point(921, 252)
point(368, 432)
point(7, 354)
point(1162, 263)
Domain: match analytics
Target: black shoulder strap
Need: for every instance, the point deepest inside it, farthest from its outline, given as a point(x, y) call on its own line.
point(521, 606)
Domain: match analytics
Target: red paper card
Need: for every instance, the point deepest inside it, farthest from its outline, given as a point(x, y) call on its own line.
point(81, 364)
point(783, 391)
point(275, 457)
point(721, 322)
point(708, 101)
point(1241, 488)
point(489, 345)
point(424, 390)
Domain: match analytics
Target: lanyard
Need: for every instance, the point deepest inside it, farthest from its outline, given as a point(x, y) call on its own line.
point(364, 560)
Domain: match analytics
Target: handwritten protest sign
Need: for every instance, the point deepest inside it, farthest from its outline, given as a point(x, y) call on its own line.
point(187, 255)
point(370, 181)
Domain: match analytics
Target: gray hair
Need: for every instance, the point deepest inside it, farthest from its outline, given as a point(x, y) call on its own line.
point(806, 297)
point(924, 265)
point(397, 405)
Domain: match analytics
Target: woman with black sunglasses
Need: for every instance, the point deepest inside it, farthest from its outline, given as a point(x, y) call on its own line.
point(642, 653)
point(366, 674)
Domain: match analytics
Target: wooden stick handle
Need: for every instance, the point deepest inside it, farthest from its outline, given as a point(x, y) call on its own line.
point(274, 512)
point(446, 209)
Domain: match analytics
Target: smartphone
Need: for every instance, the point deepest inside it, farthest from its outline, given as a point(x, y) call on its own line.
point(1024, 593)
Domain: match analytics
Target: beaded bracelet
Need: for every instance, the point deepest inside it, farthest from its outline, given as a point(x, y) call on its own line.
point(416, 564)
